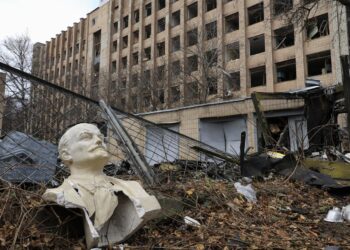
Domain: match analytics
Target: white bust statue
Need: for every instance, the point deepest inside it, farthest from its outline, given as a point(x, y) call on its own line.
point(113, 208)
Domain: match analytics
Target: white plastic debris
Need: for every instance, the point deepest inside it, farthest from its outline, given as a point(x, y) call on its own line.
point(346, 213)
point(248, 191)
point(334, 215)
point(347, 157)
point(192, 222)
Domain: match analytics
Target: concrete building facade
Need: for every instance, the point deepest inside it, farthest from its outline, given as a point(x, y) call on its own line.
point(188, 62)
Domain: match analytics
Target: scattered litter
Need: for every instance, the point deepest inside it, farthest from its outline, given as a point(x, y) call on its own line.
point(248, 191)
point(247, 180)
point(192, 222)
point(275, 155)
point(346, 213)
point(347, 157)
point(334, 215)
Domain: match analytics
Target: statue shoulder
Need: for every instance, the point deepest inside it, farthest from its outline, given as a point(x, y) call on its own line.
point(55, 194)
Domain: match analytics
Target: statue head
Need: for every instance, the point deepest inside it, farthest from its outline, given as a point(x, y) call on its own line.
point(82, 146)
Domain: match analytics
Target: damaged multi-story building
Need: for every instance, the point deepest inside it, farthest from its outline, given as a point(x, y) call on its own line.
point(191, 65)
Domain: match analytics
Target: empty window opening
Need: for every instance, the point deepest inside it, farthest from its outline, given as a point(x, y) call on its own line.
point(211, 30)
point(134, 80)
point(192, 63)
point(135, 58)
point(123, 83)
point(148, 9)
point(97, 44)
point(319, 63)
point(161, 73)
point(161, 4)
point(258, 76)
point(192, 37)
point(211, 57)
point(317, 27)
point(114, 66)
point(125, 42)
point(256, 13)
point(286, 71)
point(257, 44)
point(148, 31)
point(147, 77)
point(284, 37)
point(124, 62)
point(175, 43)
point(161, 49)
point(93, 21)
point(148, 53)
point(161, 25)
point(136, 36)
point(175, 94)
point(191, 91)
point(76, 48)
point(192, 11)
point(160, 95)
point(210, 5)
point(175, 18)
point(125, 22)
point(232, 82)
point(136, 16)
point(115, 46)
point(232, 23)
point(212, 83)
point(175, 69)
point(147, 100)
point(115, 27)
point(282, 6)
point(232, 51)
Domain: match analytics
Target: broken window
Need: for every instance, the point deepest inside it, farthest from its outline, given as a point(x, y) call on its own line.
point(135, 58)
point(286, 71)
point(161, 25)
point(210, 5)
point(192, 11)
point(161, 73)
point(136, 36)
point(148, 31)
point(161, 4)
point(232, 22)
point(258, 76)
point(147, 77)
point(115, 46)
point(161, 49)
point(317, 27)
point(148, 9)
point(175, 43)
point(175, 18)
point(256, 13)
point(232, 51)
point(147, 53)
point(175, 94)
point(134, 80)
point(192, 63)
point(97, 45)
point(147, 100)
point(136, 16)
point(123, 83)
point(284, 37)
point(115, 27)
point(257, 44)
point(175, 69)
point(160, 95)
point(125, 22)
point(232, 82)
point(212, 85)
point(191, 92)
point(125, 42)
point(124, 62)
point(211, 57)
point(114, 66)
point(319, 63)
point(210, 30)
point(282, 6)
point(192, 37)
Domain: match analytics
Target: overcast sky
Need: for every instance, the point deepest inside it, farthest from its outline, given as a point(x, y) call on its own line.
point(42, 19)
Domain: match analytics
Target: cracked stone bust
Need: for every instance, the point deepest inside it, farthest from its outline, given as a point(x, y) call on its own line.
point(113, 208)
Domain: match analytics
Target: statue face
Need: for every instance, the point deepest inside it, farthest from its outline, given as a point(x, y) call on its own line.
point(85, 145)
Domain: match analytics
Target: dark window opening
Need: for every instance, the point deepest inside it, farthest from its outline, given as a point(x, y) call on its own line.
point(192, 11)
point(175, 94)
point(161, 25)
point(257, 44)
point(135, 58)
point(175, 18)
point(175, 43)
point(256, 13)
point(175, 69)
point(211, 30)
point(148, 9)
point(136, 36)
point(192, 37)
point(232, 51)
point(97, 45)
point(148, 53)
point(136, 16)
point(210, 5)
point(161, 73)
point(232, 82)
point(114, 66)
point(115, 27)
point(147, 100)
point(125, 42)
point(212, 85)
point(148, 31)
point(282, 6)
point(192, 63)
point(161, 4)
point(124, 62)
point(115, 46)
point(284, 37)
point(258, 76)
point(232, 22)
point(146, 77)
point(319, 63)
point(286, 71)
point(161, 49)
point(160, 95)
point(211, 57)
point(134, 80)
point(125, 22)
point(317, 27)
point(191, 91)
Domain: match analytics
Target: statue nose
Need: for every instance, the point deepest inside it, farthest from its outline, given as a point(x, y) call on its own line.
point(98, 140)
